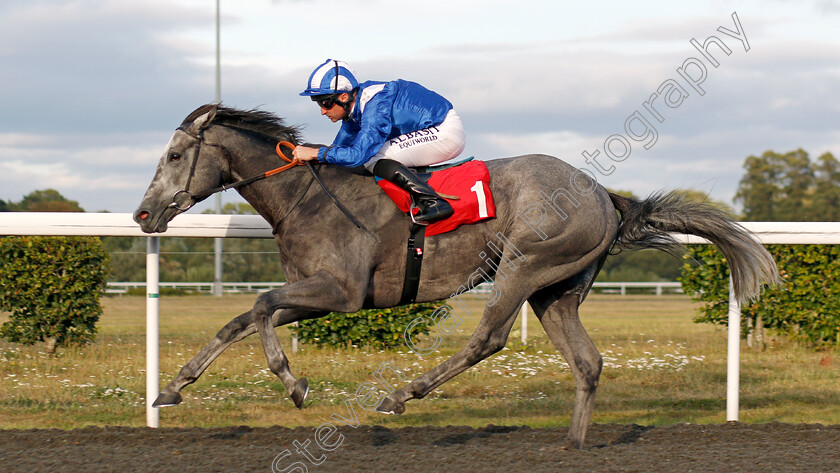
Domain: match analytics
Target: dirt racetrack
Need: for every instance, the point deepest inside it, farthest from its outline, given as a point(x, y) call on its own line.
point(680, 448)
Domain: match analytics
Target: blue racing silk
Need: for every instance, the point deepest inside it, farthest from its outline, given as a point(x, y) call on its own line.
point(382, 111)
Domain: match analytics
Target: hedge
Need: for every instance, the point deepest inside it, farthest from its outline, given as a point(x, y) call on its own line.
point(51, 286)
point(377, 328)
point(806, 307)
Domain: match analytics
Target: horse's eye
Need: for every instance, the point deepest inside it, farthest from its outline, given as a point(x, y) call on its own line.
point(174, 157)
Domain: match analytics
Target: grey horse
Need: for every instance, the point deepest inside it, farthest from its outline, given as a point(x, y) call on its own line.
point(553, 229)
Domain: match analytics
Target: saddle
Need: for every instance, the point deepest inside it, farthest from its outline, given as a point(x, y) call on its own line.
point(464, 184)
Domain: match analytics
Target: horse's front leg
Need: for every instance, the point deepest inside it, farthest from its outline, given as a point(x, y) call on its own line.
point(234, 331)
point(277, 361)
point(312, 297)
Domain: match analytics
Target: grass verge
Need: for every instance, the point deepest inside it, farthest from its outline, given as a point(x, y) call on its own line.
point(659, 368)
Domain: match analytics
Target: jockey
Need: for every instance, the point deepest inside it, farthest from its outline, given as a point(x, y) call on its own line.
point(386, 126)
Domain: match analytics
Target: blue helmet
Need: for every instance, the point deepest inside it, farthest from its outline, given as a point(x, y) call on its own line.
point(331, 77)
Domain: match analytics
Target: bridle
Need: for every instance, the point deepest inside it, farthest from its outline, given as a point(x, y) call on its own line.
point(192, 199)
point(198, 197)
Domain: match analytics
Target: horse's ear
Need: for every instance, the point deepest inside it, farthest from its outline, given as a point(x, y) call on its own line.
point(204, 120)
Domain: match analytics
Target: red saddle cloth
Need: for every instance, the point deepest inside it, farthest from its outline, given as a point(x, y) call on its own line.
point(469, 181)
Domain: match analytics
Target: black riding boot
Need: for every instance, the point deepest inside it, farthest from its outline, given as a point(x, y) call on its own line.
point(432, 206)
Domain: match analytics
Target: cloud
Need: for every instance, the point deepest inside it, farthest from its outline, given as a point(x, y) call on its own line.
point(101, 171)
point(564, 144)
point(70, 66)
point(92, 90)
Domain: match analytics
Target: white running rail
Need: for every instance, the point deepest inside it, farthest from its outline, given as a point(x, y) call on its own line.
point(252, 226)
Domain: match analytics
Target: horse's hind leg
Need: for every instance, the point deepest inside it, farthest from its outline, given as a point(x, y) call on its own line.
point(235, 330)
point(489, 337)
point(558, 313)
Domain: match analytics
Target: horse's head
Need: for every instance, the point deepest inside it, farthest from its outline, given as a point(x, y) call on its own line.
point(189, 166)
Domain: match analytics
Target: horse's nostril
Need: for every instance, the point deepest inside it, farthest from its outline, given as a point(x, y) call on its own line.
point(143, 215)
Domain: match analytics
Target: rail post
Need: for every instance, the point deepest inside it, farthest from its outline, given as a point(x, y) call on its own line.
point(152, 331)
point(733, 355)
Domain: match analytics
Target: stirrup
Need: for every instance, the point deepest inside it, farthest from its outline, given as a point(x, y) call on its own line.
point(411, 214)
point(434, 215)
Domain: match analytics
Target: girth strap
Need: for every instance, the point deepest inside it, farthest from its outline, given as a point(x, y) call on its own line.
point(413, 264)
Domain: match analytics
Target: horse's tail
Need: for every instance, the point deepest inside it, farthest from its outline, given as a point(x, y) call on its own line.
point(647, 224)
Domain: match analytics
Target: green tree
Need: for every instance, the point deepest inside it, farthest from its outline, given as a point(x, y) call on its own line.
point(250, 259)
point(48, 200)
point(797, 185)
point(826, 199)
point(789, 187)
point(760, 188)
point(128, 258)
point(640, 266)
point(239, 208)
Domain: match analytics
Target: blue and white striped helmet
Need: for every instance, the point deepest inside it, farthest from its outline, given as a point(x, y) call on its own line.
point(331, 77)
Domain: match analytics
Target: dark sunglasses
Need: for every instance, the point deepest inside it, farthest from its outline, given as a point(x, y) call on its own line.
point(327, 102)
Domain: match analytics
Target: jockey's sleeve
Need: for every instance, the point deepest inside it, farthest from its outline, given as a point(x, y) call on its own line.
point(354, 148)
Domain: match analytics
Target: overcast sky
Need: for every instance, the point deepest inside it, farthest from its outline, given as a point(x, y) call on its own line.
point(91, 91)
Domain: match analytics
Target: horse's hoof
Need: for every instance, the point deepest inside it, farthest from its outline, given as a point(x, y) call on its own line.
point(300, 392)
point(390, 406)
point(167, 399)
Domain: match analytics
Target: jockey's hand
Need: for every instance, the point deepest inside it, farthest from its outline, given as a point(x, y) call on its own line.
point(305, 153)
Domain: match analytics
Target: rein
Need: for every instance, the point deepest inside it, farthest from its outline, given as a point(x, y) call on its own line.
point(194, 198)
point(258, 177)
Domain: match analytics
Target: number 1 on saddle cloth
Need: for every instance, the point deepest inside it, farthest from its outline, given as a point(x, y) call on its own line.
point(469, 181)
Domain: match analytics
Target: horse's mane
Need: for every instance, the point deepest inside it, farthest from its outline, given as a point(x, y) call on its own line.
point(259, 122)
